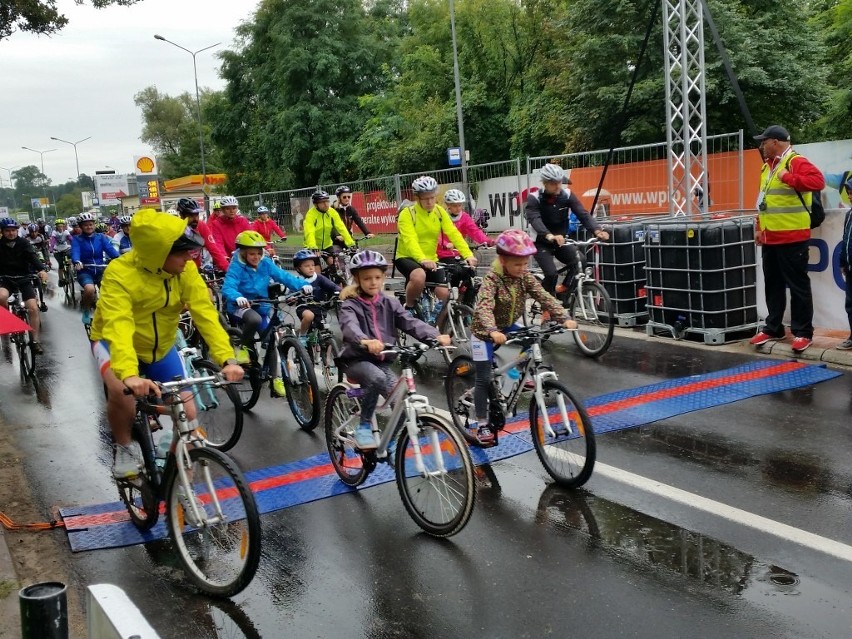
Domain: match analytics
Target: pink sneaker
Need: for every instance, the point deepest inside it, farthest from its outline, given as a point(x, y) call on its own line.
point(762, 338)
point(800, 344)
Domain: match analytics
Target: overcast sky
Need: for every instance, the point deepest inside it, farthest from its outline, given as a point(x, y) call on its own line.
point(81, 82)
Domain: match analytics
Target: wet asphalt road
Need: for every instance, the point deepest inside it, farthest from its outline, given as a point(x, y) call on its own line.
point(611, 560)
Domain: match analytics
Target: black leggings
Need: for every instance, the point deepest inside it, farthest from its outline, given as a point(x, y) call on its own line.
point(482, 388)
point(566, 254)
point(251, 322)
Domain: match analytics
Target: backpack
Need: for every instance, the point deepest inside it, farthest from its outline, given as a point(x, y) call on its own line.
point(817, 212)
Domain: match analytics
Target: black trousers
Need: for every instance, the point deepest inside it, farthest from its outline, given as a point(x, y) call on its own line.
point(547, 251)
point(786, 265)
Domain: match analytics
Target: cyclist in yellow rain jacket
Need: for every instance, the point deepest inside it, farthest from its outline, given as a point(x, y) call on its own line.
point(322, 226)
point(419, 227)
point(143, 293)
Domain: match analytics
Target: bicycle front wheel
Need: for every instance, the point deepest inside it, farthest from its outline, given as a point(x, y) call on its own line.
point(26, 355)
point(331, 373)
point(220, 412)
point(342, 413)
point(300, 380)
point(595, 317)
point(214, 523)
point(565, 441)
point(459, 389)
point(434, 474)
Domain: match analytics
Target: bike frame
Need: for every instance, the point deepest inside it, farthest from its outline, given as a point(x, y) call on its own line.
point(404, 400)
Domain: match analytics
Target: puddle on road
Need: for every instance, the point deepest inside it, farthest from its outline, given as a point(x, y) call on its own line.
point(646, 541)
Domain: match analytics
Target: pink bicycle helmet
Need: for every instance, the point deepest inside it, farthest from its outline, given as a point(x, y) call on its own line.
point(516, 243)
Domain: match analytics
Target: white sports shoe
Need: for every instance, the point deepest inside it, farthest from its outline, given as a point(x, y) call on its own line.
point(127, 460)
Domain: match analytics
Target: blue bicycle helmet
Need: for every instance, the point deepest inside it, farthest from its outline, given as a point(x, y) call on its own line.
point(8, 223)
point(304, 255)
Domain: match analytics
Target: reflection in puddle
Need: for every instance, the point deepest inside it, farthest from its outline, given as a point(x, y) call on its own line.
point(642, 539)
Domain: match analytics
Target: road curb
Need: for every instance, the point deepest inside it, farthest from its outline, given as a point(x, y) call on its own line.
point(9, 586)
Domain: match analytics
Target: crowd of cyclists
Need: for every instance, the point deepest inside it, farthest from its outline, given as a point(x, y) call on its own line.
point(138, 274)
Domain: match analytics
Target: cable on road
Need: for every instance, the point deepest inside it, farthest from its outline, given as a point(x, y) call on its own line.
point(8, 524)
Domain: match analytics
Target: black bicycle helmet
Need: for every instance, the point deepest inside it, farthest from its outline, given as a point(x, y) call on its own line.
point(342, 189)
point(320, 196)
point(186, 206)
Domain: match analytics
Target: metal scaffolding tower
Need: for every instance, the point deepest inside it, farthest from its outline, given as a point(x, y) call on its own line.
point(686, 107)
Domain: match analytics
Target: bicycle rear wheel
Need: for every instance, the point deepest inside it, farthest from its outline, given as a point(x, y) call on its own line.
point(219, 549)
point(342, 413)
point(456, 324)
point(137, 494)
point(439, 497)
point(595, 319)
point(568, 452)
point(220, 412)
point(459, 389)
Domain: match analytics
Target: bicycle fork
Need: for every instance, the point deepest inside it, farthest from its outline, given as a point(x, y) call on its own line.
point(542, 407)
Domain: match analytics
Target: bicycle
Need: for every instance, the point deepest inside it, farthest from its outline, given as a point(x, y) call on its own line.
point(23, 341)
point(338, 270)
point(297, 370)
point(453, 318)
point(323, 348)
point(564, 442)
point(589, 304)
point(222, 427)
point(211, 513)
point(432, 464)
point(97, 284)
point(68, 276)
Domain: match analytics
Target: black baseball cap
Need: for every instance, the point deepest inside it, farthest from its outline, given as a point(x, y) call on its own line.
point(774, 132)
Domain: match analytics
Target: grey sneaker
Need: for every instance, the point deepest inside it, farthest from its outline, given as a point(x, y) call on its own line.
point(127, 460)
point(845, 345)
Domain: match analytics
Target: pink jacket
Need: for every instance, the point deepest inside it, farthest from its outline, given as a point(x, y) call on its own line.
point(466, 227)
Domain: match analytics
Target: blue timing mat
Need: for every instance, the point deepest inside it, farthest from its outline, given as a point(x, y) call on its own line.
point(313, 478)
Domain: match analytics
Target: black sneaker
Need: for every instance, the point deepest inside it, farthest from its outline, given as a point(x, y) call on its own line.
point(37, 348)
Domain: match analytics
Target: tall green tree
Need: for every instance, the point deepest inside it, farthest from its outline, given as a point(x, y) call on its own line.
point(40, 16)
point(291, 113)
point(170, 126)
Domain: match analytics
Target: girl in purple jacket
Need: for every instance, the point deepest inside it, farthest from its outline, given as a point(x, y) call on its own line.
point(369, 320)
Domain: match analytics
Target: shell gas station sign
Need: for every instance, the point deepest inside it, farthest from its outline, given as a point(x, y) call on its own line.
point(147, 180)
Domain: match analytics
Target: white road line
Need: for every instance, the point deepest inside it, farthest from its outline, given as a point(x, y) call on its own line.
point(736, 515)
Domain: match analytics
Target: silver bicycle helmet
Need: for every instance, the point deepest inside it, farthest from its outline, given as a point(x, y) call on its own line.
point(454, 196)
point(367, 259)
point(552, 173)
point(424, 184)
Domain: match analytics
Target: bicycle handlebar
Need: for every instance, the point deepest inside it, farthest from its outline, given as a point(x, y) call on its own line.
point(534, 332)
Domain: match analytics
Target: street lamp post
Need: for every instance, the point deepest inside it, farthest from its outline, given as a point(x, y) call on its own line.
point(74, 144)
point(459, 113)
point(198, 106)
point(44, 183)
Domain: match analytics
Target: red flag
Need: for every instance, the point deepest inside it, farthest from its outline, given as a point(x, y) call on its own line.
point(11, 324)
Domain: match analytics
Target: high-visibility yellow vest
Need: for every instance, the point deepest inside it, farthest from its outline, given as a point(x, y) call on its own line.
point(784, 219)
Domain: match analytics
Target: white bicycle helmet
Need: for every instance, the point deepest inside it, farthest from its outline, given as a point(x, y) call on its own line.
point(552, 173)
point(87, 217)
point(454, 196)
point(124, 219)
point(424, 184)
point(228, 200)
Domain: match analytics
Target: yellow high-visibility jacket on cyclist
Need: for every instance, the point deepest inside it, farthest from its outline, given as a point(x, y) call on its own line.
point(320, 229)
point(140, 304)
point(419, 230)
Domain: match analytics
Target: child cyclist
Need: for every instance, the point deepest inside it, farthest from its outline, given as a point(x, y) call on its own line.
point(307, 263)
point(248, 279)
point(368, 320)
point(501, 301)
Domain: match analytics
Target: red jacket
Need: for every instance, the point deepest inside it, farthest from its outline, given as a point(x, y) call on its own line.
point(220, 258)
point(266, 229)
point(225, 231)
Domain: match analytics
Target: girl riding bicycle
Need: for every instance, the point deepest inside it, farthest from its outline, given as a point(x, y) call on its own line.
point(247, 279)
point(368, 320)
point(501, 302)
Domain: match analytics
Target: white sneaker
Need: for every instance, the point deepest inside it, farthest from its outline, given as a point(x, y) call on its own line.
point(127, 460)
